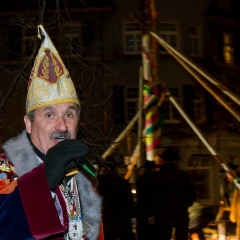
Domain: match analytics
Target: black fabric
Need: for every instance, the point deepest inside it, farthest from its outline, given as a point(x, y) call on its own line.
point(37, 151)
point(164, 232)
point(61, 158)
point(170, 195)
point(125, 235)
point(145, 230)
point(118, 206)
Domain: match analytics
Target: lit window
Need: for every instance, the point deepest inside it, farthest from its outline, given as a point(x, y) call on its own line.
point(132, 38)
point(170, 113)
point(131, 103)
point(195, 41)
point(169, 33)
point(228, 49)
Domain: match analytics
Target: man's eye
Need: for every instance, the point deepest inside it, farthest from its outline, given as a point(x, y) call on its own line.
point(49, 115)
point(69, 115)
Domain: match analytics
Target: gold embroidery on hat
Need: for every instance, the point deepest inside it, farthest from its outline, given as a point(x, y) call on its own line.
point(56, 68)
point(52, 102)
point(45, 70)
point(67, 86)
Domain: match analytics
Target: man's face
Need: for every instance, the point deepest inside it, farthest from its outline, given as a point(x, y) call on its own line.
point(52, 124)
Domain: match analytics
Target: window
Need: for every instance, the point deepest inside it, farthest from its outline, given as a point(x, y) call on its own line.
point(169, 33)
point(29, 37)
point(228, 48)
point(117, 104)
point(87, 40)
point(170, 113)
point(79, 39)
point(195, 41)
point(131, 103)
point(199, 107)
point(132, 38)
point(200, 169)
point(71, 44)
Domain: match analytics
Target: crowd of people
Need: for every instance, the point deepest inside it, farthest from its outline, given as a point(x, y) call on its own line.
point(165, 204)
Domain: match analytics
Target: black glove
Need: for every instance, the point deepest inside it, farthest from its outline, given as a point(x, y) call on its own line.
point(61, 158)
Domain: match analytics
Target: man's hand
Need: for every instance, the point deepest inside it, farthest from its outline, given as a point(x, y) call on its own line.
point(60, 158)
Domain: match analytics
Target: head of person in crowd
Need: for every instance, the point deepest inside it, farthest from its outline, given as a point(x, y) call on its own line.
point(150, 166)
point(52, 105)
point(169, 155)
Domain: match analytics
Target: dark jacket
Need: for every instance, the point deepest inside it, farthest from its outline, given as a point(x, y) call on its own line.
point(145, 230)
point(118, 207)
point(143, 186)
point(172, 192)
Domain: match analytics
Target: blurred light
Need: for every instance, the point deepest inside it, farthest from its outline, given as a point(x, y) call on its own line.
point(134, 191)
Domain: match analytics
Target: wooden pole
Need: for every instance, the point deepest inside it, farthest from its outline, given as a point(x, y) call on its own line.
point(201, 137)
point(201, 81)
point(133, 161)
point(212, 80)
point(140, 119)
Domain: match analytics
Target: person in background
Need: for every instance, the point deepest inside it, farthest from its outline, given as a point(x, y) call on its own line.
point(118, 207)
point(52, 198)
point(200, 216)
point(145, 230)
point(171, 194)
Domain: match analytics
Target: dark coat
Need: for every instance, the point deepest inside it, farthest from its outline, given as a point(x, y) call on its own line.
point(143, 186)
point(172, 192)
point(118, 207)
point(145, 230)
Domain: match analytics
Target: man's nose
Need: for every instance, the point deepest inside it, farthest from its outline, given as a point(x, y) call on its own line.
point(61, 124)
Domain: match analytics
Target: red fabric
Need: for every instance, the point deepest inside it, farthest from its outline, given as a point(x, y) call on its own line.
point(3, 184)
point(101, 235)
point(54, 63)
point(43, 220)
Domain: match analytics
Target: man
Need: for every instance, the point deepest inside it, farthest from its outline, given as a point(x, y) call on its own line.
point(118, 205)
point(145, 230)
point(170, 196)
point(47, 201)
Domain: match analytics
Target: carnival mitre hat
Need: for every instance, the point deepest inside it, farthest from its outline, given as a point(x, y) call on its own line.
point(49, 81)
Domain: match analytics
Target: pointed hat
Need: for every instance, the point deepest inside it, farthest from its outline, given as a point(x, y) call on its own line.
point(49, 81)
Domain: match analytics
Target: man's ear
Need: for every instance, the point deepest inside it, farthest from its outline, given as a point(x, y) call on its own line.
point(28, 124)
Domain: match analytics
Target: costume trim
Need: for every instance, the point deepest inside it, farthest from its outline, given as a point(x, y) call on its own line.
point(34, 184)
point(52, 102)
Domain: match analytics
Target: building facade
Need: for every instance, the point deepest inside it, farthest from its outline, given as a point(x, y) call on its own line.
point(101, 44)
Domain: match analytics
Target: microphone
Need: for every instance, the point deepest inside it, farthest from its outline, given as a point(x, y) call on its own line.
point(86, 166)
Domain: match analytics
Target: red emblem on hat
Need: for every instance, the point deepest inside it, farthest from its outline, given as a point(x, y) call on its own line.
point(50, 68)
